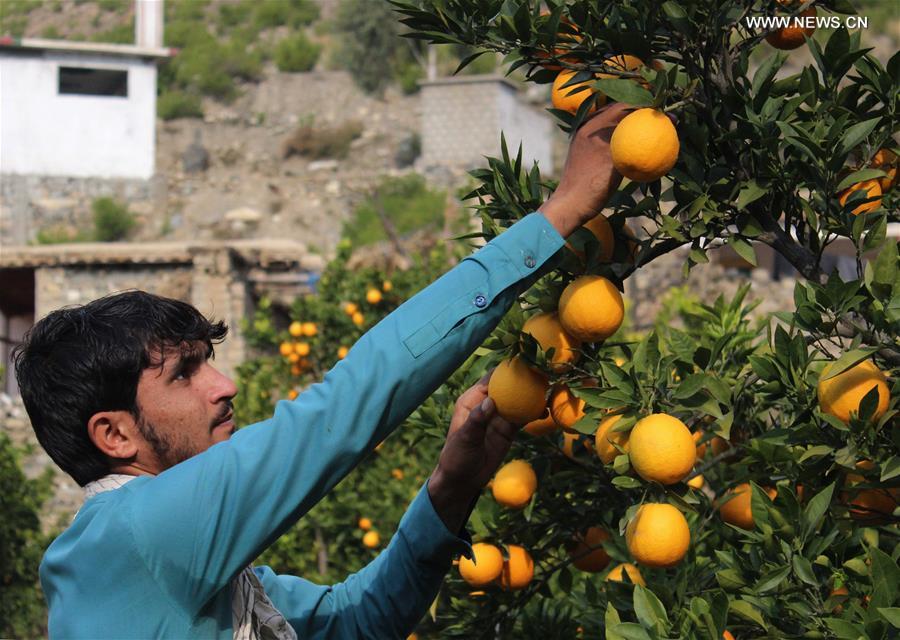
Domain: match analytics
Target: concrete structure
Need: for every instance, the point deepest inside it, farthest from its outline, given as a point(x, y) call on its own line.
point(462, 118)
point(222, 279)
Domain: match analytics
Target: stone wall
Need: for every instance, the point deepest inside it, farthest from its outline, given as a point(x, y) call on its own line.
point(31, 203)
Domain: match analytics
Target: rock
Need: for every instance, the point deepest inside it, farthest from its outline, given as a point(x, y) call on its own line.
point(195, 158)
point(244, 214)
point(322, 165)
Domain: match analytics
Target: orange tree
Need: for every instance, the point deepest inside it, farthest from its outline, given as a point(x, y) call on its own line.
point(746, 477)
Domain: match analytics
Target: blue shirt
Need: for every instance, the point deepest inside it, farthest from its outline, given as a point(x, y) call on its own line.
point(155, 557)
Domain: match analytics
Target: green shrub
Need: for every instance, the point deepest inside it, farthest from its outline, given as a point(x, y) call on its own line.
point(409, 76)
point(322, 142)
point(233, 14)
point(123, 34)
point(178, 104)
point(22, 610)
point(296, 53)
point(276, 13)
point(60, 234)
point(407, 202)
point(112, 220)
point(50, 32)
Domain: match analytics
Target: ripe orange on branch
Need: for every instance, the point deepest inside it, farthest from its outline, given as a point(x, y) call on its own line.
point(634, 574)
point(518, 568)
point(569, 97)
point(518, 391)
point(794, 35)
point(662, 449)
point(872, 189)
point(736, 507)
point(550, 334)
point(841, 395)
point(644, 145)
point(602, 230)
point(591, 308)
point(514, 484)
point(585, 556)
point(486, 567)
point(541, 426)
point(658, 535)
point(887, 161)
point(606, 440)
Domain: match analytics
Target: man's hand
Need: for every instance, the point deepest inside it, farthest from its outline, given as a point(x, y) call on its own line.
point(589, 177)
point(477, 442)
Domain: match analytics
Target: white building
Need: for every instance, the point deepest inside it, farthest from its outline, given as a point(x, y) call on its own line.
point(81, 109)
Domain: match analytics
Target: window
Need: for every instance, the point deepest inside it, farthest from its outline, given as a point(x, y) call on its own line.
point(93, 82)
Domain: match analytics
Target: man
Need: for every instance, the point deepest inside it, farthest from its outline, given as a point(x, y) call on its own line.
point(123, 397)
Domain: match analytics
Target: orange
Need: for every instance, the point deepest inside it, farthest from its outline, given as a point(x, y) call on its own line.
point(662, 449)
point(602, 230)
point(296, 370)
point(541, 426)
point(514, 484)
point(726, 635)
point(350, 308)
point(570, 98)
point(358, 318)
point(286, 349)
point(301, 348)
point(658, 535)
point(373, 296)
point(696, 482)
point(720, 445)
point(591, 308)
point(387, 286)
point(397, 474)
point(342, 353)
point(565, 407)
point(644, 145)
point(365, 524)
point(567, 35)
point(869, 506)
point(585, 556)
point(486, 567)
point(292, 394)
point(738, 510)
point(792, 36)
point(549, 333)
point(294, 357)
point(887, 161)
point(296, 329)
point(371, 539)
point(606, 438)
point(634, 574)
point(569, 440)
point(701, 447)
point(840, 396)
point(518, 568)
point(872, 189)
point(309, 329)
point(519, 392)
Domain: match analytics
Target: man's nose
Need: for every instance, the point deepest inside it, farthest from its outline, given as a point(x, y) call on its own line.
point(222, 386)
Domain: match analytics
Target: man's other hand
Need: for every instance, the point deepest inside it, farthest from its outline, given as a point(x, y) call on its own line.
point(477, 442)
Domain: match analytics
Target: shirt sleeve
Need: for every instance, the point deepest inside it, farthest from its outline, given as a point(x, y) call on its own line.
point(387, 597)
point(200, 522)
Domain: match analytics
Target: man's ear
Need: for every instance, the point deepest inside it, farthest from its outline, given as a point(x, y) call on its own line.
point(114, 433)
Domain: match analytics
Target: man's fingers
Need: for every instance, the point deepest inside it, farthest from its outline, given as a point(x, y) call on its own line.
point(475, 394)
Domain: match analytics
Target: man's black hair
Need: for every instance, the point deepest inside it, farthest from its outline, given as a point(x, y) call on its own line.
point(78, 361)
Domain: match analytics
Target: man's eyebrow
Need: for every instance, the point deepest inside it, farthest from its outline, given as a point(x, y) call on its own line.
point(185, 359)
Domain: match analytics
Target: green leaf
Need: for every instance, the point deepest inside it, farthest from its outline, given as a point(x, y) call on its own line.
point(859, 176)
point(627, 631)
point(844, 629)
point(816, 451)
point(815, 510)
point(649, 610)
point(848, 360)
point(772, 579)
point(750, 192)
point(885, 578)
point(744, 249)
point(625, 90)
point(856, 134)
point(803, 570)
point(691, 385)
point(747, 611)
point(891, 614)
point(890, 468)
point(627, 482)
point(730, 579)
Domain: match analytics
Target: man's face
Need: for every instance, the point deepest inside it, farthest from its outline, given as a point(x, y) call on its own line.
point(184, 406)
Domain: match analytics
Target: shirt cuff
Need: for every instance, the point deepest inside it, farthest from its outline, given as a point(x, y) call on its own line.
point(429, 538)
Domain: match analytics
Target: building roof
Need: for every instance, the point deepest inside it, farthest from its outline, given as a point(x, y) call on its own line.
point(96, 48)
point(262, 252)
